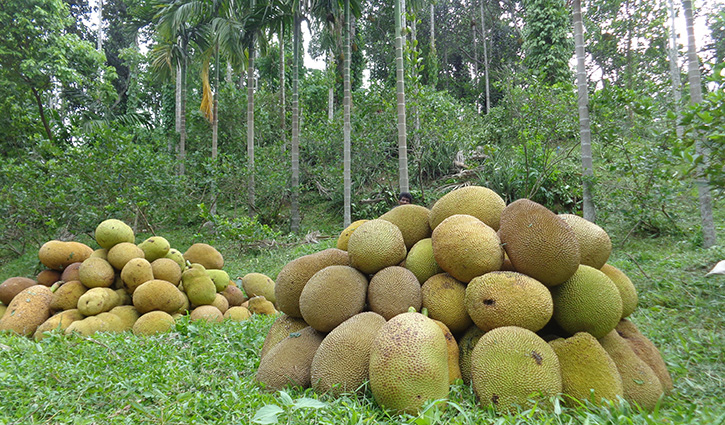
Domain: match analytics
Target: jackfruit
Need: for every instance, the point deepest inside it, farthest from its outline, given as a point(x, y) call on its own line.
point(86, 326)
point(626, 288)
point(157, 294)
point(237, 313)
point(166, 269)
point(445, 299)
point(128, 315)
point(13, 286)
point(204, 254)
point(28, 310)
point(393, 290)
point(408, 363)
point(344, 236)
point(219, 277)
point(499, 299)
point(155, 247)
point(234, 295)
point(71, 272)
point(221, 303)
point(198, 285)
point(113, 231)
point(466, 344)
point(97, 300)
point(341, 363)
point(295, 274)
point(280, 329)
point(177, 256)
point(288, 362)
point(136, 272)
point(640, 383)
point(466, 247)
point(58, 322)
point(594, 243)
point(259, 284)
point(121, 253)
point(207, 313)
point(647, 351)
point(477, 201)
point(96, 272)
point(454, 367)
point(153, 322)
point(260, 305)
point(538, 242)
point(57, 255)
point(421, 262)
point(512, 366)
point(587, 371)
point(333, 295)
point(66, 296)
point(374, 245)
point(589, 302)
point(412, 220)
point(47, 277)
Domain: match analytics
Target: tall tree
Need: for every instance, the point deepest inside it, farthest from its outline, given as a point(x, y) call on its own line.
point(400, 96)
point(709, 235)
point(546, 39)
point(484, 41)
point(674, 67)
point(347, 103)
point(295, 151)
point(583, 106)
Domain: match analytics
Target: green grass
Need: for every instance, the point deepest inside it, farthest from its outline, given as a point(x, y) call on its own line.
point(204, 373)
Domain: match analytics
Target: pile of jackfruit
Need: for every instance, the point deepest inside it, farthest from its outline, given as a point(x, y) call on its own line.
point(124, 286)
point(514, 300)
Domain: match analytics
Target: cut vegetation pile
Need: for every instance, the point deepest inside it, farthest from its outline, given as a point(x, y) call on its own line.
point(515, 300)
point(125, 286)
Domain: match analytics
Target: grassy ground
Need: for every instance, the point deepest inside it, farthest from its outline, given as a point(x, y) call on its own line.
point(203, 373)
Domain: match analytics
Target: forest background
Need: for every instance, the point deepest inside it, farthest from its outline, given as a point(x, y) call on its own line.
point(177, 113)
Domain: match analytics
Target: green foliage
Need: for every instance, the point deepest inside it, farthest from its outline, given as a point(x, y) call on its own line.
point(547, 40)
point(242, 230)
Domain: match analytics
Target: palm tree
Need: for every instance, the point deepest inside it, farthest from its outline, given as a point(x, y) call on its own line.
point(400, 95)
point(583, 106)
point(703, 189)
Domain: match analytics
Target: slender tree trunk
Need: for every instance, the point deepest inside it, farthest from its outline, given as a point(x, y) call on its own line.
point(400, 94)
point(295, 156)
point(347, 101)
point(41, 111)
point(709, 236)
point(250, 132)
point(583, 105)
point(432, 25)
point(675, 69)
point(182, 120)
point(282, 88)
point(215, 130)
point(177, 93)
point(331, 89)
point(484, 38)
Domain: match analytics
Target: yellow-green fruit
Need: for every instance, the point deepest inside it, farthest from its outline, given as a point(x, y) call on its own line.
point(112, 231)
point(333, 295)
point(260, 305)
point(512, 366)
point(13, 286)
point(412, 220)
point(124, 298)
point(394, 290)
point(136, 272)
point(594, 243)
point(344, 237)
point(499, 299)
point(198, 285)
point(647, 351)
point(3, 309)
point(66, 296)
point(155, 247)
point(478, 201)
point(28, 310)
point(177, 256)
point(342, 361)
point(128, 315)
point(454, 367)
point(87, 326)
point(237, 313)
point(122, 253)
point(207, 313)
point(219, 277)
point(97, 300)
point(99, 253)
point(234, 295)
point(96, 273)
point(166, 269)
point(280, 329)
point(221, 303)
point(204, 254)
point(409, 363)
point(111, 322)
point(374, 245)
point(421, 262)
point(588, 302)
point(466, 344)
point(259, 284)
point(466, 247)
point(444, 297)
point(153, 322)
point(626, 288)
point(57, 255)
point(640, 382)
point(295, 274)
point(47, 277)
point(58, 322)
point(157, 294)
point(288, 362)
point(587, 371)
point(538, 242)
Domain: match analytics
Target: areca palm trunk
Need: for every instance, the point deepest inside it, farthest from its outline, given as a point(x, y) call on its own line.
point(250, 132)
point(295, 210)
point(182, 120)
point(485, 58)
point(709, 236)
point(347, 100)
point(675, 69)
point(584, 125)
point(215, 129)
point(282, 93)
point(400, 95)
